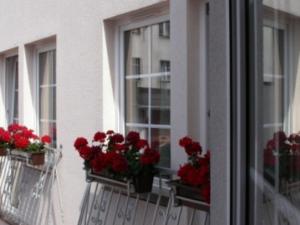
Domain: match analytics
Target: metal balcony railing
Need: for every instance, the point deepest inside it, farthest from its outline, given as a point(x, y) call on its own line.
point(26, 190)
point(110, 202)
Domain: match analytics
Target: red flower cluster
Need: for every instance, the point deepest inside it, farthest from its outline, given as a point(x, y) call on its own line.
point(191, 147)
point(22, 138)
point(113, 153)
point(196, 172)
point(287, 148)
point(4, 136)
point(150, 157)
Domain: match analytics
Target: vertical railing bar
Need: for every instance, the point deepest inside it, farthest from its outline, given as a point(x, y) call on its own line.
point(93, 202)
point(3, 178)
point(46, 191)
point(118, 202)
point(207, 219)
point(3, 172)
point(28, 199)
point(168, 211)
point(192, 218)
point(179, 215)
point(35, 198)
point(58, 186)
point(146, 208)
point(6, 177)
point(126, 207)
point(109, 204)
point(9, 183)
point(85, 204)
point(156, 209)
point(15, 171)
point(135, 207)
point(101, 200)
point(83, 209)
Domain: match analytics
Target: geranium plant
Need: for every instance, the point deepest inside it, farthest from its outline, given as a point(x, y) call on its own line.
point(4, 141)
point(26, 140)
point(196, 171)
point(113, 155)
point(282, 151)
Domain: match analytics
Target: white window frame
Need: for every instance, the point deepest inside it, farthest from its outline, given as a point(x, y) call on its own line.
point(121, 95)
point(38, 50)
point(287, 76)
point(8, 55)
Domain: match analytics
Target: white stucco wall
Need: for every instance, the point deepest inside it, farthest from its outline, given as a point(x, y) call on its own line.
point(83, 32)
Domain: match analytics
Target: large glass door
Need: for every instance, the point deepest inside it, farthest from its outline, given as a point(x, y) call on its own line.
point(274, 171)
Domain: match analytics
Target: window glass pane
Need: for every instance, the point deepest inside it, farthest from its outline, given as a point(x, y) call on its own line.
point(275, 171)
point(147, 82)
point(137, 100)
point(47, 94)
point(11, 77)
point(136, 43)
point(160, 49)
point(47, 68)
point(48, 103)
point(160, 100)
point(49, 128)
point(143, 131)
point(160, 140)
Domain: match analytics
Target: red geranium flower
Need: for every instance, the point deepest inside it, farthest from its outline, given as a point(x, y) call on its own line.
point(99, 162)
point(21, 142)
point(279, 137)
point(100, 136)
point(80, 142)
point(133, 137)
point(149, 157)
point(110, 132)
point(142, 143)
point(46, 139)
point(183, 142)
point(14, 127)
point(5, 136)
point(119, 164)
point(193, 148)
point(85, 152)
point(117, 138)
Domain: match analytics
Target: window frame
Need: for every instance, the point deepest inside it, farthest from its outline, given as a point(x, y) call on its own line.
point(121, 71)
point(6, 56)
point(42, 48)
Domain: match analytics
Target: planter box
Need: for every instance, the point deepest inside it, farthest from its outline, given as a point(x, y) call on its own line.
point(35, 159)
point(188, 195)
point(139, 184)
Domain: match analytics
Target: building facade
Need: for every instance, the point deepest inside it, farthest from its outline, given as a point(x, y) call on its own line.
point(222, 71)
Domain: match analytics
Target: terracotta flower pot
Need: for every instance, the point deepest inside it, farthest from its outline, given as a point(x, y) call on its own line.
point(143, 182)
point(37, 159)
point(3, 152)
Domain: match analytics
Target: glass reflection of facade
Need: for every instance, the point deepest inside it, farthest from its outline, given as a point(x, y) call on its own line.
point(47, 94)
point(275, 168)
point(147, 85)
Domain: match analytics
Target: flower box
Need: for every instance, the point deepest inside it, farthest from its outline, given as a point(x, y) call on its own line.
point(108, 180)
point(186, 195)
point(3, 152)
point(34, 158)
point(117, 158)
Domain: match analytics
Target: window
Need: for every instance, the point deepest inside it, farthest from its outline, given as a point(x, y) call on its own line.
point(147, 95)
point(274, 163)
point(47, 94)
point(136, 66)
point(164, 29)
point(12, 89)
